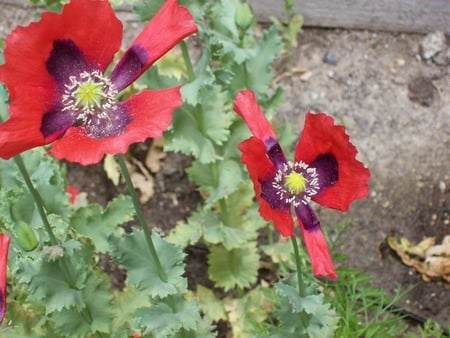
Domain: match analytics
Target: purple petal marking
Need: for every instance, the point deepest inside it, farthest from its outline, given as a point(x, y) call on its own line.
point(275, 153)
point(306, 215)
point(56, 122)
point(327, 169)
point(271, 195)
point(66, 59)
point(2, 306)
point(111, 124)
point(130, 66)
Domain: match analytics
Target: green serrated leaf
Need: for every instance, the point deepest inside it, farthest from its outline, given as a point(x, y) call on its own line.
point(197, 130)
point(17, 204)
point(47, 284)
point(184, 234)
point(247, 313)
point(153, 79)
point(148, 9)
point(223, 34)
point(94, 317)
point(124, 307)
point(191, 92)
point(94, 223)
point(307, 316)
point(184, 137)
point(257, 73)
point(279, 252)
point(167, 317)
point(233, 268)
point(133, 253)
point(229, 237)
point(212, 307)
point(225, 178)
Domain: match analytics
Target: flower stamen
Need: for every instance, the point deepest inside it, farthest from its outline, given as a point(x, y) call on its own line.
point(296, 183)
point(89, 94)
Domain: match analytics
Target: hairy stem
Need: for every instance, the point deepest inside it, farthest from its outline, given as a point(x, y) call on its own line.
point(37, 198)
point(187, 61)
point(140, 215)
point(301, 283)
point(40, 205)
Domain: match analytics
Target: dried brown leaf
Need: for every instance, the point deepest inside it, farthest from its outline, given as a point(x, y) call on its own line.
point(430, 260)
point(155, 155)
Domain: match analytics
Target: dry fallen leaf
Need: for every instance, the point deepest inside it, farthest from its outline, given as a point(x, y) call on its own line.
point(155, 155)
point(430, 260)
point(142, 180)
point(112, 169)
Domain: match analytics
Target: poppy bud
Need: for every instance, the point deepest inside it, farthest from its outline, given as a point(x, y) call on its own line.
point(25, 236)
point(243, 16)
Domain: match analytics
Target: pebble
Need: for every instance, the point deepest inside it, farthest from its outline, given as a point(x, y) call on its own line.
point(442, 186)
point(330, 58)
point(400, 62)
point(421, 90)
point(442, 58)
point(432, 44)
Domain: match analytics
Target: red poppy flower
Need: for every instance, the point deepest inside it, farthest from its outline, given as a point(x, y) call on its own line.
point(59, 92)
point(4, 245)
point(324, 170)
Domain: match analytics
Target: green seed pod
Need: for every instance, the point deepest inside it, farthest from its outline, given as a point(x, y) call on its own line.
point(244, 16)
point(25, 236)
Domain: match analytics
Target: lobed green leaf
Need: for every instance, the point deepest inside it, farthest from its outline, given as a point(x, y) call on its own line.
point(234, 268)
point(133, 253)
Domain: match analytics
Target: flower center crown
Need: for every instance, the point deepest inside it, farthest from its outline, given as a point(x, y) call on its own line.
point(90, 99)
point(296, 183)
point(89, 94)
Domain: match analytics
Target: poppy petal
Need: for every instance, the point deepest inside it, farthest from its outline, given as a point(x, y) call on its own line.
point(21, 132)
point(315, 242)
point(247, 107)
point(168, 27)
point(150, 113)
point(319, 137)
point(28, 48)
point(4, 248)
point(261, 169)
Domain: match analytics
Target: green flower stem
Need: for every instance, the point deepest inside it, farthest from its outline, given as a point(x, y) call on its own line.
point(141, 218)
point(187, 61)
point(301, 283)
point(40, 205)
point(37, 198)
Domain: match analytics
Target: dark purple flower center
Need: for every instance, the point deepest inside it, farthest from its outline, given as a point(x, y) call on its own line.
point(294, 183)
point(86, 97)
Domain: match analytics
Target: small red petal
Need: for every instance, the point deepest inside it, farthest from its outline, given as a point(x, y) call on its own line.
point(318, 252)
point(73, 192)
point(4, 248)
point(167, 28)
point(261, 168)
point(151, 114)
point(247, 107)
point(321, 136)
